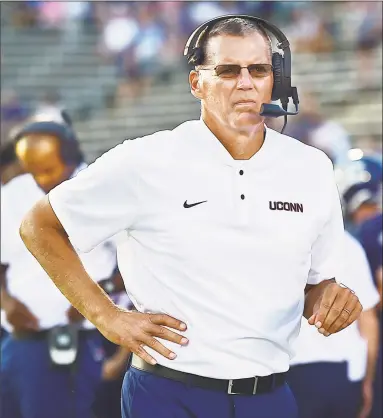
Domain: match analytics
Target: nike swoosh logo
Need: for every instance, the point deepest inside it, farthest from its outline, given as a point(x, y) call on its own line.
point(190, 205)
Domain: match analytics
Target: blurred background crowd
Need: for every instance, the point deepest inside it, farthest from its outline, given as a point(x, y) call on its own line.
point(118, 69)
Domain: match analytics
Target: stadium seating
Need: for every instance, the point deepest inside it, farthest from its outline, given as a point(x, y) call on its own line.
point(35, 60)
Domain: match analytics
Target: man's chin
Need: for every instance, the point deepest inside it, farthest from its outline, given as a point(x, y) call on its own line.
point(247, 122)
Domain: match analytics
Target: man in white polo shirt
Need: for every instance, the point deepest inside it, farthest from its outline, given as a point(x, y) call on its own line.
point(40, 378)
point(231, 230)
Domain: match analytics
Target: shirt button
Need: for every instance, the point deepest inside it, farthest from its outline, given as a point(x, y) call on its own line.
point(241, 172)
point(242, 196)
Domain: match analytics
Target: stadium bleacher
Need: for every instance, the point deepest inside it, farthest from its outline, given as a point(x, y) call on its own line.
point(36, 59)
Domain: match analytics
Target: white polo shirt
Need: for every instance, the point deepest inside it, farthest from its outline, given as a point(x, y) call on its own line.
point(347, 345)
point(26, 279)
point(203, 239)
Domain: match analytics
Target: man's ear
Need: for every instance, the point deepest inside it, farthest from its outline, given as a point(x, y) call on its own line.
point(195, 84)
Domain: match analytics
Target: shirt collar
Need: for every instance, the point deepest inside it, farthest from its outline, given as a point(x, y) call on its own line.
point(215, 149)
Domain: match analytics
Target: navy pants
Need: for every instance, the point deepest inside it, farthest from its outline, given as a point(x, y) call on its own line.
point(145, 395)
point(322, 390)
point(31, 388)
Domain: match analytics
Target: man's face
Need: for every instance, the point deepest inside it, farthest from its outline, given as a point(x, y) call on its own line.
point(40, 156)
point(236, 101)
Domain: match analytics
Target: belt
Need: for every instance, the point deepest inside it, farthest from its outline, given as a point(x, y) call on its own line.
point(249, 386)
point(42, 334)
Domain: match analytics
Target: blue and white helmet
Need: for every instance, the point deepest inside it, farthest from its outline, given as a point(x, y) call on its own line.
point(359, 180)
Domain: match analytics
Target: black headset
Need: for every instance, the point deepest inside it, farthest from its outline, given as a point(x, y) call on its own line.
point(282, 89)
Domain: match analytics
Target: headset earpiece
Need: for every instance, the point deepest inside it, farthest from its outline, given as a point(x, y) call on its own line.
point(196, 58)
point(278, 90)
point(194, 49)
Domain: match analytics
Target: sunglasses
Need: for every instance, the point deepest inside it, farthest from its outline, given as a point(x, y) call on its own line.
point(234, 70)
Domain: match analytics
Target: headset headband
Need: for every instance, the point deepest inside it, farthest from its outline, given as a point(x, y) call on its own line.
point(69, 146)
point(63, 132)
point(283, 42)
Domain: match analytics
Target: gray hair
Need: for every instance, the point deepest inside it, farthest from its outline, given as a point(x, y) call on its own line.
point(236, 26)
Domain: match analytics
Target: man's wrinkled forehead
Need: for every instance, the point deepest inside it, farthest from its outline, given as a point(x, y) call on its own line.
point(236, 49)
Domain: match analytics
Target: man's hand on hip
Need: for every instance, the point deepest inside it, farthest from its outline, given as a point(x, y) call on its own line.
point(335, 309)
point(134, 330)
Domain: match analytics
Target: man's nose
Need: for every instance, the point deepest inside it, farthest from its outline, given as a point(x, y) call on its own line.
point(245, 81)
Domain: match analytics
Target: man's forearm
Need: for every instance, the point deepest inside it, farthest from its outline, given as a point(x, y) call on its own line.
point(312, 295)
point(369, 329)
point(45, 238)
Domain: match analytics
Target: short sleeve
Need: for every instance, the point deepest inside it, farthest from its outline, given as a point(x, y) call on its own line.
point(327, 252)
point(102, 200)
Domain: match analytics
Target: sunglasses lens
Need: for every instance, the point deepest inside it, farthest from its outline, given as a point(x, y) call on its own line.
point(260, 70)
point(228, 70)
point(233, 70)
